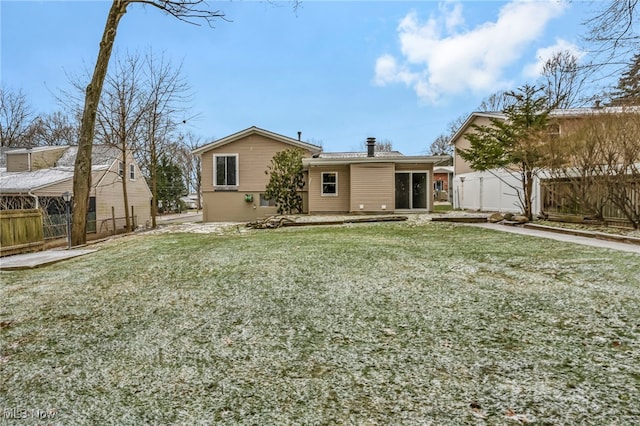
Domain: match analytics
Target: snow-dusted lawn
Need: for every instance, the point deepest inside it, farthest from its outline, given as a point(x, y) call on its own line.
point(410, 323)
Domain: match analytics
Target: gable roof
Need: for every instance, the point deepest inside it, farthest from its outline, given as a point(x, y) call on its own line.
point(467, 123)
point(257, 131)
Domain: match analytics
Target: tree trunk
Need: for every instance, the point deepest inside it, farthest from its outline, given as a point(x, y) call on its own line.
point(82, 170)
point(124, 193)
point(125, 174)
point(154, 180)
point(528, 194)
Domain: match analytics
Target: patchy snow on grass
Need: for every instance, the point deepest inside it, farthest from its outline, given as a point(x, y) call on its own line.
point(409, 323)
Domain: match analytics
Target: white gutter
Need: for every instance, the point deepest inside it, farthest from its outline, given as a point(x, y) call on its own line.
point(306, 162)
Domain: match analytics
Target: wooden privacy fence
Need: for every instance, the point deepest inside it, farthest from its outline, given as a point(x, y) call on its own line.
point(20, 231)
point(572, 197)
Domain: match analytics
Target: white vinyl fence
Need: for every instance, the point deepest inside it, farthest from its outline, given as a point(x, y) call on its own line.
point(486, 191)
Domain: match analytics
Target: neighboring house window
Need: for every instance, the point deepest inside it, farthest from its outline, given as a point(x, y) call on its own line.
point(439, 185)
point(225, 170)
point(266, 202)
point(132, 172)
point(329, 183)
point(120, 168)
point(554, 130)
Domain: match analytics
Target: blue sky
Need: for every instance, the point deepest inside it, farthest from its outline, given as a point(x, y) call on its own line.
point(338, 71)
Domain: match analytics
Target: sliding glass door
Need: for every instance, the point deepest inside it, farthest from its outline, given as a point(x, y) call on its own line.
point(411, 190)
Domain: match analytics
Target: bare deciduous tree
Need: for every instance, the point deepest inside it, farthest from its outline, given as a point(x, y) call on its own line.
point(15, 118)
point(441, 145)
point(190, 164)
point(122, 107)
point(54, 129)
point(166, 102)
point(612, 37)
point(186, 10)
point(498, 101)
point(614, 29)
point(599, 174)
point(622, 167)
point(563, 80)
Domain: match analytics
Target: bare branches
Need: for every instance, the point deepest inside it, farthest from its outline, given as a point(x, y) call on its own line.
point(189, 11)
point(563, 80)
point(613, 27)
point(15, 118)
point(614, 35)
point(600, 175)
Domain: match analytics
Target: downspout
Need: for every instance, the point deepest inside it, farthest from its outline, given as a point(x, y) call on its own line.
point(35, 197)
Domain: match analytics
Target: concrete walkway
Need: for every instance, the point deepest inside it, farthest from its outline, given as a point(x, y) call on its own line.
point(568, 238)
point(41, 258)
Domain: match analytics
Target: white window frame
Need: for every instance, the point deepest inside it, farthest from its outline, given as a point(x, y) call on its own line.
point(121, 169)
point(215, 171)
point(328, 194)
point(132, 171)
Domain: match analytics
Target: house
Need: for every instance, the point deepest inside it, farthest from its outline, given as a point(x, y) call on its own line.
point(38, 177)
point(442, 178)
point(494, 190)
point(234, 178)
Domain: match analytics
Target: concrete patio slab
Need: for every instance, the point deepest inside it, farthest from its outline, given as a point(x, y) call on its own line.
point(38, 259)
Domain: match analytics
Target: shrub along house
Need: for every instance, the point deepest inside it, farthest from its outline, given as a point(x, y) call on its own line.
point(234, 178)
point(37, 178)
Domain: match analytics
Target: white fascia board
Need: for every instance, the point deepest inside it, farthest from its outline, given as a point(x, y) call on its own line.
point(256, 130)
point(306, 162)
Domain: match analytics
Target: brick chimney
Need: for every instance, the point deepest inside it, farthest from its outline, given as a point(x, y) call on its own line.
point(371, 147)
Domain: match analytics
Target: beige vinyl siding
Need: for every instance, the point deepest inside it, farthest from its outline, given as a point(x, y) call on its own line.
point(46, 159)
point(108, 193)
point(254, 157)
point(460, 166)
point(224, 206)
point(41, 159)
point(319, 203)
point(59, 188)
point(372, 187)
point(17, 162)
point(107, 189)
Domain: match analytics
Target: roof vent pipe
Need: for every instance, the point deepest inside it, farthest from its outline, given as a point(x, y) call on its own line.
point(299, 135)
point(371, 147)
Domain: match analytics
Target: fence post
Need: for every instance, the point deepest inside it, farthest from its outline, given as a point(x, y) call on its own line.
point(113, 219)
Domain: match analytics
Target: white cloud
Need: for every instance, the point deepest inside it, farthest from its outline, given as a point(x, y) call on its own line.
point(387, 71)
point(534, 69)
point(439, 57)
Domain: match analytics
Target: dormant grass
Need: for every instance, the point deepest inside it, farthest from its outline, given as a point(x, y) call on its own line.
point(363, 324)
